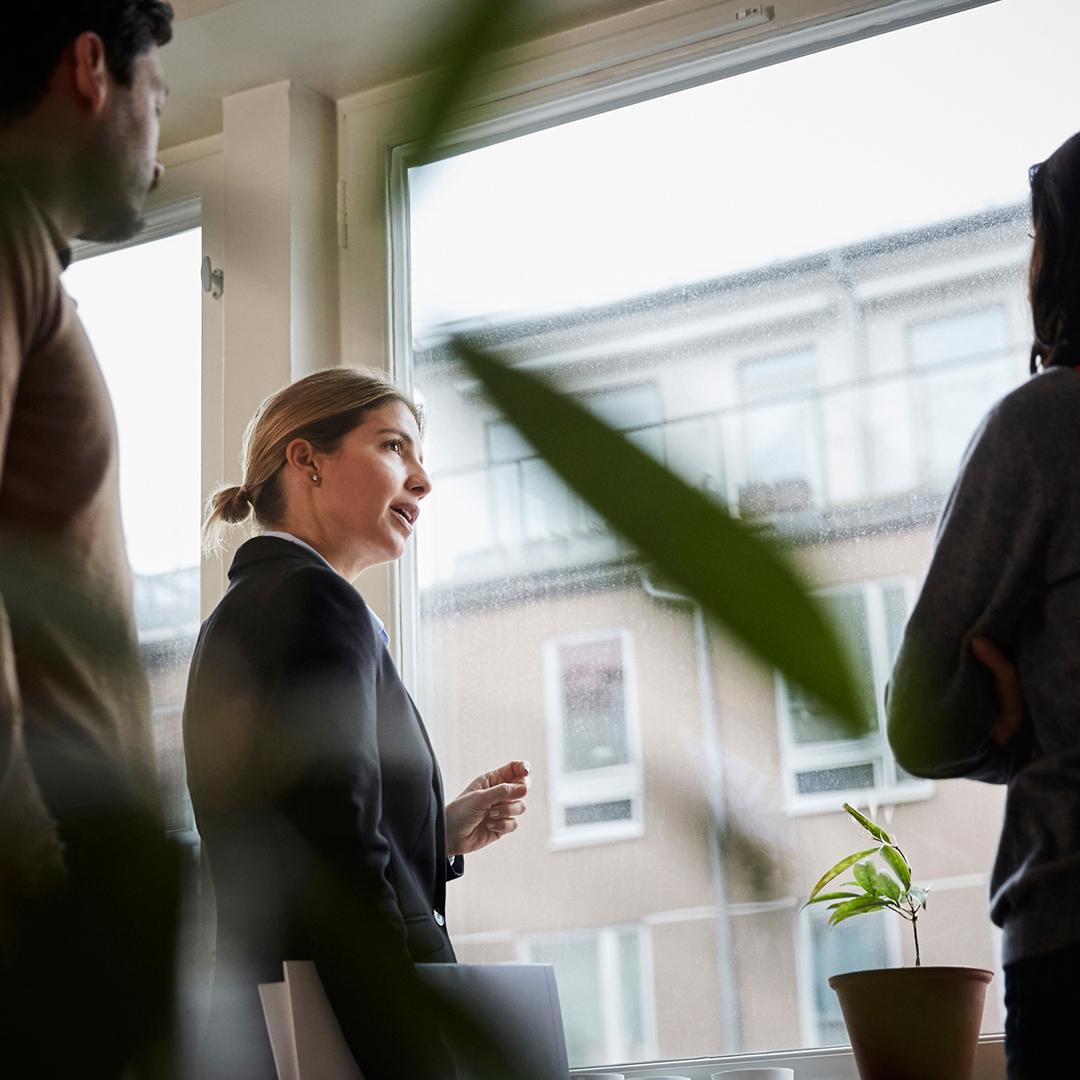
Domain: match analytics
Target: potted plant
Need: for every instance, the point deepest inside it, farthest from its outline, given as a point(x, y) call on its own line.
point(918, 1023)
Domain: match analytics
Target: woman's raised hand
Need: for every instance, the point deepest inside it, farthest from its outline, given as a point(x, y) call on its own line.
point(488, 808)
point(1010, 693)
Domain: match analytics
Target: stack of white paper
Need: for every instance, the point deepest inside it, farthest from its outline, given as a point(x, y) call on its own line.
point(304, 1033)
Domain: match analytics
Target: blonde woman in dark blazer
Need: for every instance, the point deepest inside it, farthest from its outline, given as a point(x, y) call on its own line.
point(315, 788)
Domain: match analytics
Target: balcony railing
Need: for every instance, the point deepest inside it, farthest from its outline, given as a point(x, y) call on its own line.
point(877, 452)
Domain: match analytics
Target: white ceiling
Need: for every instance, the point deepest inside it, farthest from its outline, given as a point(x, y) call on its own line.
point(336, 47)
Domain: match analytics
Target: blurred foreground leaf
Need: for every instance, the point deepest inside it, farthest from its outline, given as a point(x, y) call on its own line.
point(475, 35)
point(734, 573)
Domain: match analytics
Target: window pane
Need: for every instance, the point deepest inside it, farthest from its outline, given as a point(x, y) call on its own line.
point(594, 706)
point(810, 722)
point(896, 615)
point(973, 335)
point(823, 328)
point(855, 945)
point(622, 810)
point(845, 778)
point(626, 406)
point(505, 443)
point(142, 310)
point(970, 352)
point(577, 973)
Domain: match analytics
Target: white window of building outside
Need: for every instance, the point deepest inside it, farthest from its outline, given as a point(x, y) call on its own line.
point(823, 331)
point(782, 433)
point(854, 945)
point(823, 771)
point(963, 367)
point(596, 785)
point(603, 982)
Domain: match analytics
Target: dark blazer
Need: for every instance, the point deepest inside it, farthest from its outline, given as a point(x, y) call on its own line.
point(320, 804)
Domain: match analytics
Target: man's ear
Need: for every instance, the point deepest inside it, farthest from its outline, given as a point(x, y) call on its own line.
point(91, 76)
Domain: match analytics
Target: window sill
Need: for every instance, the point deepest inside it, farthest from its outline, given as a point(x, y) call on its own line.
point(831, 802)
point(819, 1063)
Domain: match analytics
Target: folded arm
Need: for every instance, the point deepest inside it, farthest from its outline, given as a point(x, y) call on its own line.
point(943, 708)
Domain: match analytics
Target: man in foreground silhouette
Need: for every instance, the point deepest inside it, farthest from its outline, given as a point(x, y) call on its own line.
point(88, 883)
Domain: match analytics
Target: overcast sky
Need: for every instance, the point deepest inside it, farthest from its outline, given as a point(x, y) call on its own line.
point(916, 126)
point(142, 308)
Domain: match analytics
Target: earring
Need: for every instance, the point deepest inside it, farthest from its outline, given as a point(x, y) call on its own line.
point(314, 478)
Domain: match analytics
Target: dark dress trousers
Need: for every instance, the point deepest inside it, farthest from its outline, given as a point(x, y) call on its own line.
point(319, 801)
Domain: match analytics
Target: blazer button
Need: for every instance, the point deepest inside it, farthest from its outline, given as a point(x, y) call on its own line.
point(439, 918)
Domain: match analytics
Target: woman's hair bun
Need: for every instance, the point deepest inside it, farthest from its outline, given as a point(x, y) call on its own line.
point(233, 504)
point(228, 505)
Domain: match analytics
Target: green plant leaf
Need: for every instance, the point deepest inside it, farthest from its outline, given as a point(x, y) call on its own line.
point(919, 894)
point(892, 855)
point(886, 885)
point(864, 876)
point(863, 905)
point(736, 574)
point(831, 896)
point(838, 869)
point(476, 33)
point(875, 831)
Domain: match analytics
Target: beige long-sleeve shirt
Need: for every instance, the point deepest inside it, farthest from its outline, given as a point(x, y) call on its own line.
point(74, 701)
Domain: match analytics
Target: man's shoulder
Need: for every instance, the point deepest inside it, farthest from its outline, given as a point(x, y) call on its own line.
point(25, 237)
point(18, 211)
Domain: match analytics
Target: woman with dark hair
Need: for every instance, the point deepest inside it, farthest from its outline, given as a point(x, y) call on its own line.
point(1000, 610)
point(315, 788)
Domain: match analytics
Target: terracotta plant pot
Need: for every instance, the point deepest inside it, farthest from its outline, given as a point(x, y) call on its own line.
point(913, 1023)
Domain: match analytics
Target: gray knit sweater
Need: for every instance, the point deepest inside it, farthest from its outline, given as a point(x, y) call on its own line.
point(1007, 567)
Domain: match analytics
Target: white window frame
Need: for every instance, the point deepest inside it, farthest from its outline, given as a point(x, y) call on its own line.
point(874, 748)
point(612, 783)
point(607, 951)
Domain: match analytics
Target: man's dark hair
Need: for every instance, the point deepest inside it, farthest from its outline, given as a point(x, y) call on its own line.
point(35, 33)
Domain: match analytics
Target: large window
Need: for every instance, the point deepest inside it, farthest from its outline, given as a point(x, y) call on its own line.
point(805, 310)
point(142, 310)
